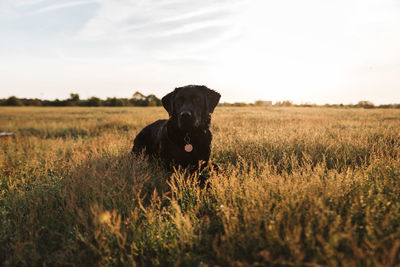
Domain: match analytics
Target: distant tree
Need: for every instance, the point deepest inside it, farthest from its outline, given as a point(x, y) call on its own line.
point(113, 102)
point(94, 102)
point(138, 99)
point(286, 103)
point(138, 96)
point(307, 105)
point(385, 106)
point(13, 101)
point(259, 103)
point(58, 103)
point(32, 102)
point(240, 104)
point(125, 102)
point(365, 104)
point(152, 100)
point(73, 100)
point(74, 97)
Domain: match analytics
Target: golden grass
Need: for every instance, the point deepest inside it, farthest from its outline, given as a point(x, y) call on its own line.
point(299, 187)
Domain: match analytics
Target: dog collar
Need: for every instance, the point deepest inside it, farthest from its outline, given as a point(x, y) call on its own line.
point(188, 146)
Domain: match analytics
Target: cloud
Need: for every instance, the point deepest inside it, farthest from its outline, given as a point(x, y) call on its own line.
point(24, 9)
point(203, 15)
point(164, 28)
point(153, 29)
point(28, 2)
point(60, 6)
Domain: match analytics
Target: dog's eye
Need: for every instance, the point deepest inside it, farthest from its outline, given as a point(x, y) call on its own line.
point(196, 99)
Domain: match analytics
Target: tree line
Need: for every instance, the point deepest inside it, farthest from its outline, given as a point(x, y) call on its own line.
point(140, 100)
point(288, 103)
point(137, 99)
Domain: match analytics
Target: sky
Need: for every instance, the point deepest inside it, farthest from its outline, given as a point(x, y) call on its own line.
point(310, 51)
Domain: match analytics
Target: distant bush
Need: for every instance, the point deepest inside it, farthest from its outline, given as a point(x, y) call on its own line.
point(389, 106)
point(152, 100)
point(114, 102)
point(94, 102)
point(286, 103)
point(307, 105)
point(262, 103)
point(12, 101)
point(73, 100)
point(31, 102)
point(365, 104)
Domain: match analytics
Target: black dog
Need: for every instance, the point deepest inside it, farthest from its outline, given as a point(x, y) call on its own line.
point(184, 139)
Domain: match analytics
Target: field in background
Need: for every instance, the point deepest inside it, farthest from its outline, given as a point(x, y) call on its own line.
point(300, 186)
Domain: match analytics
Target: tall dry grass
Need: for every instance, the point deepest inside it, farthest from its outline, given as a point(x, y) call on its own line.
point(299, 187)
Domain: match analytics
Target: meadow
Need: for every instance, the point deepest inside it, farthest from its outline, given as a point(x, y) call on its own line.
point(298, 187)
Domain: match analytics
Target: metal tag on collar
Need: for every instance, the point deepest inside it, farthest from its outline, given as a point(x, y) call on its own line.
point(188, 146)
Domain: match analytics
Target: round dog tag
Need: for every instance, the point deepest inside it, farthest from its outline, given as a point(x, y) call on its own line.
point(188, 148)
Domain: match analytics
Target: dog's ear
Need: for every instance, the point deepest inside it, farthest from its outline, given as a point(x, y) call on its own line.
point(168, 102)
point(212, 99)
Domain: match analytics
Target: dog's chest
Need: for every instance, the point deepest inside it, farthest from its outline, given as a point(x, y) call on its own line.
point(177, 153)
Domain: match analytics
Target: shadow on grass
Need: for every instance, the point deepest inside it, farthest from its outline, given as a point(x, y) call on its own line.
point(112, 210)
point(40, 224)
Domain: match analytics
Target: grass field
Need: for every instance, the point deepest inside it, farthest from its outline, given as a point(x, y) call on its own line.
point(299, 187)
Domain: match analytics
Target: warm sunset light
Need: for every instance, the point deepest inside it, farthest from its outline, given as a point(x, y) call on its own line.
point(305, 51)
point(199, 133)
point(105, 217)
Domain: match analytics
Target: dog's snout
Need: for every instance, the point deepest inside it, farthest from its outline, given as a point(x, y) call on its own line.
point(186, 114)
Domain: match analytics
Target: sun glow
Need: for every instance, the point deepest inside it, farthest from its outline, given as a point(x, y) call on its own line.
point(286, 51)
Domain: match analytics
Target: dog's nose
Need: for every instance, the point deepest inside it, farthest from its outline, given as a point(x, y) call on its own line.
point(186, 114)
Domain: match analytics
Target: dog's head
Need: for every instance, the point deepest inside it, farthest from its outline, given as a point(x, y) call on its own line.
point(191, 105)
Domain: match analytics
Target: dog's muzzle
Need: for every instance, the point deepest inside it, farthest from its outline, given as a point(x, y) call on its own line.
point(187, 119)
point(186, 115)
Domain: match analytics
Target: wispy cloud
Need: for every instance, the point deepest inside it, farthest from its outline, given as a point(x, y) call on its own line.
point(49, 8)
point(23, 9)
point(28, 2)
point(159, 28)
point(168, 27)
point(177, 20)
